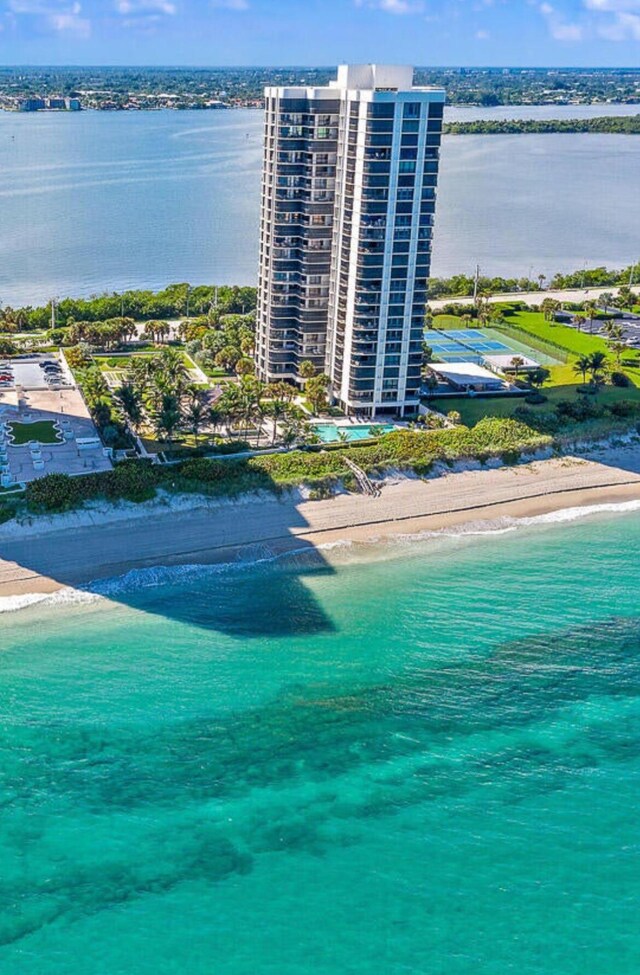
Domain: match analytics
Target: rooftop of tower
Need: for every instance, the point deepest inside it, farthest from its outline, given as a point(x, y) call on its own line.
point(372, 77)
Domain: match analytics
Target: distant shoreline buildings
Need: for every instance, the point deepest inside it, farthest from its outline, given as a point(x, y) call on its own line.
point(50, 104)
point(348, 203)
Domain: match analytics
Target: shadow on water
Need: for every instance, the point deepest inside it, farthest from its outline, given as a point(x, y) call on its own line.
point(169, 548)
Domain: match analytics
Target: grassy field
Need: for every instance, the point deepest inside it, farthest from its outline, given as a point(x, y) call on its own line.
point(109, 363)
point(566, 338)
point(446, 321)
point(44, 431)
point(472, 409)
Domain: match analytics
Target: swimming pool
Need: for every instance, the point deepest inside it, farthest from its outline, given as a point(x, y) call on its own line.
point(330, 432)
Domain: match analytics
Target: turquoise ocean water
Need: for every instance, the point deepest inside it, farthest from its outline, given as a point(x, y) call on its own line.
point(422, 758)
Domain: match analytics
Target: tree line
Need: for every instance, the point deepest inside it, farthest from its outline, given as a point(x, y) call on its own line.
point(174, 301)
point(609, 125)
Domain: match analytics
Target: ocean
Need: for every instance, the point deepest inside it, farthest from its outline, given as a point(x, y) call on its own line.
point(97, 201)
point(419, 757)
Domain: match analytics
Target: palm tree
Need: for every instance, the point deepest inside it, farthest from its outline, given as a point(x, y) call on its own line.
point(140, 373)
point(307, 369)
point(615, 332)
point(130, 401)
point(316, 391)
point(597, 362)
point(625, 297)
point(171, 367)
point(618, 349)
point(516, 364)
point(431, 384)
point(590, 307)
point(280, 396)
point(94, 386)
point(549, 307)
point(582, 366)
point(538, 377)
point(214, 417)
point(483, 310)
point(196, 411)
point(167, 418)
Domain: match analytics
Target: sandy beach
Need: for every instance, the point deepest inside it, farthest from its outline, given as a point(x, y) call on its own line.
point(76, 549)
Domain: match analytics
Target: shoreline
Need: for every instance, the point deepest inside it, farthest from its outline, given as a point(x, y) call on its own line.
point(77, 550)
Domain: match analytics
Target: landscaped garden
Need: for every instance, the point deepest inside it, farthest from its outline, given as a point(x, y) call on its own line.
point(40, 431)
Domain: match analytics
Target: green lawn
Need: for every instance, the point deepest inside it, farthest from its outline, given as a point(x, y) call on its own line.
point(570, 339)
point(475, 408)
point(445, 322)
point(44, 431)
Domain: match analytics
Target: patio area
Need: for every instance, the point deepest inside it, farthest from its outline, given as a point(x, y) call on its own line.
point(69, 445)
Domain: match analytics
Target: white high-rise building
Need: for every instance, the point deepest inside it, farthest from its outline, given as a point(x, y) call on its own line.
point(348, 201)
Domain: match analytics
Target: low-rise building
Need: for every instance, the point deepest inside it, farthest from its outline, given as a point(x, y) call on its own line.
point(467, 377)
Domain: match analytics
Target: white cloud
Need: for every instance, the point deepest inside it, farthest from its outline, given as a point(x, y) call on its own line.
point(559, 28)
point(615, 20)
point(132, 8)
point(238, 5)
point(623, 27)
point(398, 7)
point(482, 35)
point(71, 23)
point(624, 6)
point(59, 17)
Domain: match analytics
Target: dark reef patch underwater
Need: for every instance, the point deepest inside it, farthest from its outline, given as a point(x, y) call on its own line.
point(442, 777)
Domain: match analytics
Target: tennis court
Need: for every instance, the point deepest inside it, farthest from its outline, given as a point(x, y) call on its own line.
point(448, 350)
point(461, 341)
point(474, 344)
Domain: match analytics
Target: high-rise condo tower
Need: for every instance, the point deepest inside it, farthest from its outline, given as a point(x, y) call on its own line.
point(348, 201)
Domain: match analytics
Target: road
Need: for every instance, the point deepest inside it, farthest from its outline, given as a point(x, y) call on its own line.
point(534, 298)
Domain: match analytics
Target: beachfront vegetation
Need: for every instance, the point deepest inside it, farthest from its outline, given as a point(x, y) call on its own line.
point(138, 480)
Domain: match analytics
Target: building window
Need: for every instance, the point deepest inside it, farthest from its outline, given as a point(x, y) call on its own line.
point(412, 110)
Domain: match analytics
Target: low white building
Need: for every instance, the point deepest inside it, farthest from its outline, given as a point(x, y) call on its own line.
point(467, 376)
point(504, 362)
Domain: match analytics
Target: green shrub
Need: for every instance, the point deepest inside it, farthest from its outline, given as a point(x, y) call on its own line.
point(535, 398)
point(132, 480)
point(624, 407)
point(55, 492)
point(207, 471)
point(620, 379)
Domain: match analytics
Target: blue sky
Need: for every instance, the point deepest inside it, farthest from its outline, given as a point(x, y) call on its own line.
point(320, 32)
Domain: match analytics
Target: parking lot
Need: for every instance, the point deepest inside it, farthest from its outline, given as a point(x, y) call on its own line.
point(629, 324)
point(34, 372)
